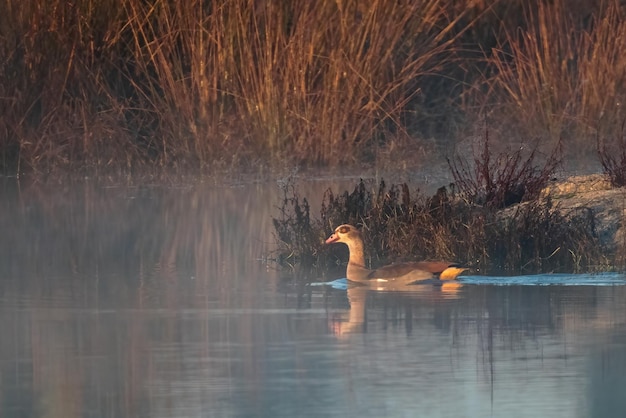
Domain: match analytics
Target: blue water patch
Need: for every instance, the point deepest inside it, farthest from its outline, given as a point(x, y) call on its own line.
point(560, 279)
point(341, 284)
point(551, 279)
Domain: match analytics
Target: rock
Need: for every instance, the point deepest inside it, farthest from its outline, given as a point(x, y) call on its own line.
point(608, 205)
point(576, 185)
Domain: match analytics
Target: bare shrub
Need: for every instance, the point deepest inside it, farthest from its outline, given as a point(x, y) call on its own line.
point(298, 242)
point(613, 160)
point(503, 179)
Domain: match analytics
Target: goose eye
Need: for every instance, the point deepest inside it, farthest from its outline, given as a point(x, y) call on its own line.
point(344, 230)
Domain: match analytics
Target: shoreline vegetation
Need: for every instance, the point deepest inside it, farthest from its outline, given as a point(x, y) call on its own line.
point(505, 213)
point(554, 233)
point(129, 87)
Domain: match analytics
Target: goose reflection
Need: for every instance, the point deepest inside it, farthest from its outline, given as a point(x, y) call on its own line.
point(355, 319)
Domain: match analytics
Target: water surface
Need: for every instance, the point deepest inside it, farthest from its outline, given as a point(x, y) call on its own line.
point(155, 301)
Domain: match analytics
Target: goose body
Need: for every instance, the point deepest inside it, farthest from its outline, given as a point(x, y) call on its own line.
point(392, 275)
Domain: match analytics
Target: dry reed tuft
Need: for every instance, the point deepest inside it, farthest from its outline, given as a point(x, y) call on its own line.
point(176, 84)
point(170, 85)
point(561, 73)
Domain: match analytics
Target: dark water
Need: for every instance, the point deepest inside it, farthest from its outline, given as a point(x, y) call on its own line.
point(155, 302)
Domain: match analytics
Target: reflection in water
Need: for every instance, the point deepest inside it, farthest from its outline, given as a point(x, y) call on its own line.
point(355, 319)
point(605, 387)
point(152, 302)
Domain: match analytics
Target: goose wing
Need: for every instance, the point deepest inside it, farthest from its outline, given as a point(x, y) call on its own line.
point(394, 271)
point(420, 269)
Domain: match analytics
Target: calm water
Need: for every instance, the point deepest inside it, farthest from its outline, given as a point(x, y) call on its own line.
point(155, 302)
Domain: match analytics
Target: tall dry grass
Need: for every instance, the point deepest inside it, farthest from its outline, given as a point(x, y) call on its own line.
point(54, 98)
point(174, 84)
point(562, 73)
point(129, 85)
point(315, 81)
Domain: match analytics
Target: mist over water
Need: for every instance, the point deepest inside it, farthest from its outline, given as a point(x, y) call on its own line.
point(156, 301)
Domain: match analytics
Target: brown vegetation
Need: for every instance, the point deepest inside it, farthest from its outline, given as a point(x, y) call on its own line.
point(497, 218)
point(172, 85)
point(181, 84)
point(534, 237)
point(503, 179)
point(613, 159)
point(560, 74)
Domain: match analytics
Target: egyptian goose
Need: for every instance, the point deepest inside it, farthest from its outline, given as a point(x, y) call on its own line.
point(393, 275)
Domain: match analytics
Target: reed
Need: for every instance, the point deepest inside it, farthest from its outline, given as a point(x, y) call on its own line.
point(59, 111)
point(561, 73)
point(323, 95)
point(178, 84)
point(135, 85)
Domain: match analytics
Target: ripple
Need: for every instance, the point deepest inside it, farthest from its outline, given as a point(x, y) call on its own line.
point(560, 279)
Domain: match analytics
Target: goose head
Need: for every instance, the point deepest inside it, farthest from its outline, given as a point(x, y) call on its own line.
point(346, 234)
point(350, 236)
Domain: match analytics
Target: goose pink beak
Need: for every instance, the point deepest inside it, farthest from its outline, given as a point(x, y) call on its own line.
point(332, 238)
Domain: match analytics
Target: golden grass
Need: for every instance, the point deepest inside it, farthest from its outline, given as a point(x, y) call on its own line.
point(129, 85)
point(562, 74)
point(102, 84)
